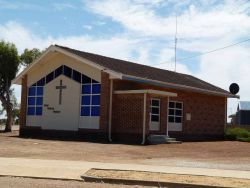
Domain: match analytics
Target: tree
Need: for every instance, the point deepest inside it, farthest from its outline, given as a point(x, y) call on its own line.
point(15, 106)
point(9, 63)
point(28, 56)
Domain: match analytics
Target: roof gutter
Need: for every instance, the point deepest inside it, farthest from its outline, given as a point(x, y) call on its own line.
point(175, 86)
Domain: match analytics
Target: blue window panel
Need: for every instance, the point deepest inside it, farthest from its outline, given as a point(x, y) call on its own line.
point(86, 100)
point(39, 91)
point(39, 101)
point(49, 77)
point(32, 91)
point(85, 111)
point(95, 99)
point(31, 100)
point(96, 88)
point(67, 71)
point(86, 89)
point(95, 111)
point(31, 111)
point(41, 82)
point(77, 76)
point(58, 71)
point(86, 79)
point(39, 111)
point(94, 81)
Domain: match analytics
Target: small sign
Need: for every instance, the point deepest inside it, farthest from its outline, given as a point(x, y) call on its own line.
point(188, 116)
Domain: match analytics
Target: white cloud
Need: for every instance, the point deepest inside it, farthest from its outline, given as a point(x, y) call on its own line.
point(192, 22)
point(7, 5)
point(117, 46)
point(99, 23)
point(63, 6)
point(228, 66)
point(166, 61)
point(88, 27)
point(20, 5)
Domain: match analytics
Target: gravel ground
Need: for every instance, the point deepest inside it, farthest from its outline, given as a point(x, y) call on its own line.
point(16, 182)
point(221, 154)
point(174, 178)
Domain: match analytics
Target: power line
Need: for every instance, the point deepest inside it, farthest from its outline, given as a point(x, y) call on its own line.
point(208, 52)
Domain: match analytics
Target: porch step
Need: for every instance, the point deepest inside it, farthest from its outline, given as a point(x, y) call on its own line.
point(174, 142)
point(161, 139)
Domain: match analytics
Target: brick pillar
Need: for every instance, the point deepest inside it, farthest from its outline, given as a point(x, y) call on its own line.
point(164, 115)
point(148, 104)
point(105, 93)
point(23, 110)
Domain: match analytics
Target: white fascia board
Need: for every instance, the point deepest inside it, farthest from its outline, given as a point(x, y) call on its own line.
point(176, 86)
point(18, 78)
point(53, 48)
point(149, 91)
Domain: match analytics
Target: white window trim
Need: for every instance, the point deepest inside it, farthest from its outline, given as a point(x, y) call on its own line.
point(33, 96)
point(159, 107)
point(91, 95)
point(181, 116)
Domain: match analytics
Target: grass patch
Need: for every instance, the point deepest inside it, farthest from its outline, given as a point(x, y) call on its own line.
point(239, 134)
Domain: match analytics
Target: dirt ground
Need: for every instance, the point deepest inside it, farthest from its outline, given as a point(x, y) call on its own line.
point(221, 154)
point(16, 182)
point(162, 177)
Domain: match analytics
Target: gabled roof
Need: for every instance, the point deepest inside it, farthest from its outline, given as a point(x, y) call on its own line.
point(244, 105)
point(147, 74)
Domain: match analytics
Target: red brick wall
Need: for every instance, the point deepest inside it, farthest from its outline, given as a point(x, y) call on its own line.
point(127, 117)
point(207, 111)
point(105, 97)
point(207, 114)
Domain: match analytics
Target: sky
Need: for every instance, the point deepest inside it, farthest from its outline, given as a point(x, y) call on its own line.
point(141, 31)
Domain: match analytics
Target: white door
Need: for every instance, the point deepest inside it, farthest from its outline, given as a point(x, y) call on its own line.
point(61, 104)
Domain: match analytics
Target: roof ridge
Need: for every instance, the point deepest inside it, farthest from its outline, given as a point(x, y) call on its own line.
point(122, 60)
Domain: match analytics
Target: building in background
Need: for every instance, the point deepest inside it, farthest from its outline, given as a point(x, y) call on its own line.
point(243, 113)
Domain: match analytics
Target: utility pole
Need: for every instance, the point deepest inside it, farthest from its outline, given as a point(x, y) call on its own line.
point(175, 43)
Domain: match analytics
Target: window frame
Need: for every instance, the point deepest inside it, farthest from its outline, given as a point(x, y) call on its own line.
point(91, 94)
point(35, 96)
point(153, 114)
point(174, 115)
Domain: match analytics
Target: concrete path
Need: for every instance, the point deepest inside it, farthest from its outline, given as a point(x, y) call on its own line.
point(60, 169)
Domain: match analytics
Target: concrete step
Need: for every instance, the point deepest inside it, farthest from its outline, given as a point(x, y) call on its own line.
point(161, 139)
point(174, 142)
point(168, 139)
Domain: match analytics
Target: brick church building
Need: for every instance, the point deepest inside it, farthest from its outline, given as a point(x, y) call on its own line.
point(67, 91)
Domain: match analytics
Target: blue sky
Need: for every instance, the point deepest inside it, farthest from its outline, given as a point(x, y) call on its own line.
point(141, 31)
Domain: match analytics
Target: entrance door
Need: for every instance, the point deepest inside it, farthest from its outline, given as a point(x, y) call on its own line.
point(61, 104)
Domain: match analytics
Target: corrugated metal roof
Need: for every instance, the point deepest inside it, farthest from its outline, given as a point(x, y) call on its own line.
point(244, 105)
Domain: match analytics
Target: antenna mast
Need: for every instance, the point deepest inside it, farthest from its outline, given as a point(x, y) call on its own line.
point(175, 43)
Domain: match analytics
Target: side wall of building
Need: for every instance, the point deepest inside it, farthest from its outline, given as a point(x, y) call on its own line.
point(244, 117)
point(127, 121)
point(208, 112)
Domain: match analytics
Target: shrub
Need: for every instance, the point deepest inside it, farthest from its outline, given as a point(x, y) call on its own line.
point(237, 134)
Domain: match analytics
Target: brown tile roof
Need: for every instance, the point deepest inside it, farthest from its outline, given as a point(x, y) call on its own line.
point(146, 72)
